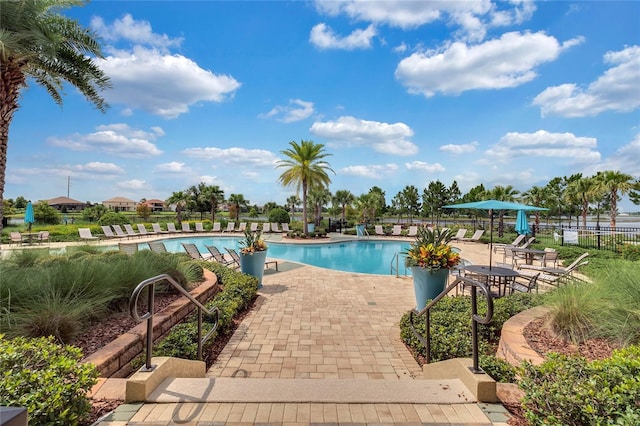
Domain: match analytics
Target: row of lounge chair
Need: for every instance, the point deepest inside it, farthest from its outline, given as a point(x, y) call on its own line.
point(127, 230)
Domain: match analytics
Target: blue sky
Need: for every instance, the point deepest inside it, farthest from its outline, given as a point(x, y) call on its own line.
point(401, 93)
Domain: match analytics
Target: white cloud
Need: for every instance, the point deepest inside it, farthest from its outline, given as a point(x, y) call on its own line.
point(134, 185)
point(323, 37)
point(373, 171)
point(297, 110)
point(473, 17)
point(567, 146)
point(624, 159)
point(162, 84)
point(148, 77)
point(115, 139)
point(138, 32)
point(618, 89)
point(424, 167)
point(460, 149)
point(381, 137)
point(401, 48)
point(234, 156)
point(173, 167)
point(96, 167)
point(495, 64)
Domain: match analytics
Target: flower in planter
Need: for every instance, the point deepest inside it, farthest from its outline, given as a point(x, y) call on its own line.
point(252, 242)
point(431, 250)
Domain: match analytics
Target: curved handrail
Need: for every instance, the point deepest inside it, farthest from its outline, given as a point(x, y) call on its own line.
point(476, 319)
point(149, 284)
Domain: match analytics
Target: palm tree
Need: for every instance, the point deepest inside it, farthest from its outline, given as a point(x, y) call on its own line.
point(583, 191)
point(306, 169)
point(318, 198)
point(535, 196)
point(212, 196)
point(344, 198)
point(180, 199)
point(238, 201)
point(37, 42)
point(502, 193)
point(616, 183)
point(292, 202)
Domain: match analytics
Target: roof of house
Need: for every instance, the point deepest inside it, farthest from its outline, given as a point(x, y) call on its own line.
point(155, 201)
point(63, 200)
point(119, 200)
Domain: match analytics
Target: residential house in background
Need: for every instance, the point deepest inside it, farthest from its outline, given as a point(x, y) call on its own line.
point(155, 205)
point(120, 204)
point(66, 204)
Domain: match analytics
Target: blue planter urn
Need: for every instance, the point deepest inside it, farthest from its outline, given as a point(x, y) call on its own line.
point(428, 285)
point(253, 264)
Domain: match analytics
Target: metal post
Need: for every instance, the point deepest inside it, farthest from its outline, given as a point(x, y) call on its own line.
point(474, 332)
point(150, 309)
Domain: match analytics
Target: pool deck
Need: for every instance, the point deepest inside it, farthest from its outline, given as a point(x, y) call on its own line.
point(319, 329)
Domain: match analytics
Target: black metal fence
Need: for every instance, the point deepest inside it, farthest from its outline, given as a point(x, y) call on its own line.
point(597, 237)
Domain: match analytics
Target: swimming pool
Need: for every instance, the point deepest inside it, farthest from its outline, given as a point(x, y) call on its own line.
point(361, 256)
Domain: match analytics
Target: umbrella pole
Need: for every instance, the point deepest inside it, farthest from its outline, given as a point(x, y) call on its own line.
point(491, 237)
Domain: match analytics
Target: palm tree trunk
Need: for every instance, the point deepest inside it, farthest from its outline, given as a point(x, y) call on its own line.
point(305, 228)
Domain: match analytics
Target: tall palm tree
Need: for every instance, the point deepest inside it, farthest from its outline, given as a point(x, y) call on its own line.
point(238, 202)
point(582, 190)
point(212, 196)
point(344, 198)
point(318, 198)
point(292, 202)
point(535, 196)
point(305, 168)
point(616, 183)
point(180, 199)
point(37, 42)
point(503, 193)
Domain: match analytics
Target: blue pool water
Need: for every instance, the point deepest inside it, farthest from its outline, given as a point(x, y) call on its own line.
point(367, 257)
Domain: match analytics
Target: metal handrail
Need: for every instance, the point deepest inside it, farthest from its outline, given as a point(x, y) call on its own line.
point(426, 340)
point(396, 259)
point(150, 285)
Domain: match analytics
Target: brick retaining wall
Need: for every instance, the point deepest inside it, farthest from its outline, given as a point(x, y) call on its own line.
point(114, 358)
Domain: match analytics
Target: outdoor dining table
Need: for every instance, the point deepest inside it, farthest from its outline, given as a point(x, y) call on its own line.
point(494, 276)
point(529, 253)
point(29, 236)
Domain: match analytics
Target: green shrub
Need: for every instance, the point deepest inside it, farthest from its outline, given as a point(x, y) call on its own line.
point(451, 326)
point(279, 215)
point(569, 390)
point(630, 252)
point(499, 369)
point(47, 379)
point(113, 218)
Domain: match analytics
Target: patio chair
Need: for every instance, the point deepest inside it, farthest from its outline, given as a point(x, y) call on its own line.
point(413, 231)
point(397, 231)
point(275, 228)
point(285, 227)
point(130, 231)
point(186, 228)
point(142, 230)
point(550, 258)
point(171, 227)
point(157, 247)
point(515, 243)
point(128, 248)
point(194, 253)
point(460, 234)
point(253, 227)
point(216, 227)
point(242, 227)
point(556, 279)
point(16, 237)
point(219, 257)
point(157, 229)
point(119, 232)
point(379, 230)
point(108, 232)
point(524, 286)
point(231, 227)
point(560, 269)
point(475, 237)
point(200, 227)
point(266, 228)
point(43, 236)
point(85, 234)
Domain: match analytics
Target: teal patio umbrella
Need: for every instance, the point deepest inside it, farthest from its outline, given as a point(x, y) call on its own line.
point(522, 223)
point(29, 218)
point(491, 206)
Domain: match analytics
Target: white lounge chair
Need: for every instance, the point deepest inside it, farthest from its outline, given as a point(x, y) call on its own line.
point(266, 227)
point(231, 227)
point(285, 227)
point(379, 230)
point(242, 227)
point(85, 234)
point(413, 231)
point(108, 232)
point(171, 227)
point(157, 229)
point(194, 253)
point(157, 246)
point(130, 231)
point(216, 227)
point(460, 234)
point(253, 227)
point(275, 228)
point(475, 237)
point(186, 227)
point(397, 231)
point(199, 227)
point(142, 230)
point(119, 232)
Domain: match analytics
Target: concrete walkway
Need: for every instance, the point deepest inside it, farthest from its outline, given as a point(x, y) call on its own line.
point(313, 330)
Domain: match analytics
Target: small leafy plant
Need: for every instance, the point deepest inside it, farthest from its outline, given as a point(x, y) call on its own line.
point(252, 242)
point(431, 250)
